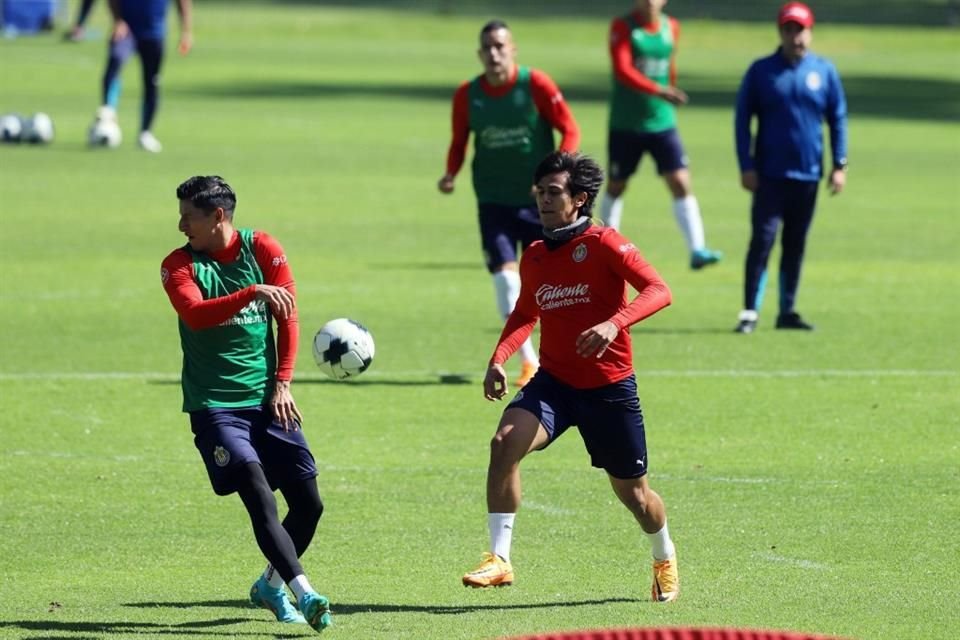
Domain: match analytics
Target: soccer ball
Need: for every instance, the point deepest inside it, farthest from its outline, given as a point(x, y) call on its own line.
point(343, 348)
point(10, 127)
point(38, 129)
point(105, 131)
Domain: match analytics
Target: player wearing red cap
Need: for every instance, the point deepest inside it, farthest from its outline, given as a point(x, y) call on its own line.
point(790, 94)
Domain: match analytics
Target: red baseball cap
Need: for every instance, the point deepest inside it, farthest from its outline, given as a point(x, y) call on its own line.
point(795, 12)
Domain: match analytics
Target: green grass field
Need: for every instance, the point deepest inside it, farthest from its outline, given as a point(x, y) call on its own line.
point(811, 480)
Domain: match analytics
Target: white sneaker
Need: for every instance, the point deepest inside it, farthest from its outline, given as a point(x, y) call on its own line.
point(148, 142)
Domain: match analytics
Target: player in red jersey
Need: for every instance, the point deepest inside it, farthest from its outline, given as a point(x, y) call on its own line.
point(512, 111)
point(574, 282)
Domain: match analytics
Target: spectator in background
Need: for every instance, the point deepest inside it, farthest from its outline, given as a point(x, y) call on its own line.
point(512, 111)
point(790, 93)
point(140, 25)
point(643, 119)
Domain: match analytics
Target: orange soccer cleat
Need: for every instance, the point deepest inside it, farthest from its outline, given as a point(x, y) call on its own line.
point(666, 580)
point(527, 371)
point(492, 572)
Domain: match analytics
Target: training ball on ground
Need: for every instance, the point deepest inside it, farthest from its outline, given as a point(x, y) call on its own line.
point(38, 129)
point(11, 127)
point(343, 348)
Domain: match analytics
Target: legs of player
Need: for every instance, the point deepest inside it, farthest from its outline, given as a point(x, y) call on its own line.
point(686, 211)
point(797, 217)
point(611, 207)
point(765, 215)
point(506, 284)
point(151, 59)
point(648, 509)
point(279, 549)
point(519, 433)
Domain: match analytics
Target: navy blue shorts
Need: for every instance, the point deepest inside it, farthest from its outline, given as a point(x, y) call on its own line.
point(503, 229)
point(625, 148)
point(609, 418)
point(230, 438)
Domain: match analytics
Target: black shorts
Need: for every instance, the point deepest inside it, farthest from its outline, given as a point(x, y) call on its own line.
point(504, 229)
point(609, 418)
point(230, 438)
point(626, 148)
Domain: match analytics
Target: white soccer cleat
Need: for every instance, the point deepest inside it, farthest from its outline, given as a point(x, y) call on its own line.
point(148, 142)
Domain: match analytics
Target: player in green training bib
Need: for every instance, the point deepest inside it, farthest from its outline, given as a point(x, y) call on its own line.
point(643, 118)
point(511, 110)
point(228, 286)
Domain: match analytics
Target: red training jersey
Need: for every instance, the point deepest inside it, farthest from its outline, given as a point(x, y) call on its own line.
point(574, 287)
point(176, 273)
point(621, 54)
point(546, 96)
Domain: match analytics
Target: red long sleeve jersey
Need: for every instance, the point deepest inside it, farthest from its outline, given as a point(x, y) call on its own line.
point(573, 288)
point(621, 54)
point(176, 274)
point(547, 97)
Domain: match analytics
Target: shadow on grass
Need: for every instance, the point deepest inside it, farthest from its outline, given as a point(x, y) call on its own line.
point(867, 95)
point(347, 608)
point(103, 629)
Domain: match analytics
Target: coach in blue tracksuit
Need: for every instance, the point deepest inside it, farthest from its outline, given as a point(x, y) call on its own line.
point(791, 93)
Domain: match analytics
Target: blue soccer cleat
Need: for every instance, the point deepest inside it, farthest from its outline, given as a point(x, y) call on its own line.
point(704, 257)
point(276, 600)
point(316, 609)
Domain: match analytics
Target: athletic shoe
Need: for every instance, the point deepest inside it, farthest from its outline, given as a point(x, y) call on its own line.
point(276, 600)
point(148, 142)
point(666, 580)
point(746, 321)
point(703, 258)
point(492, 572)
point(793, 320)
point(316, 609)
point(527, 371)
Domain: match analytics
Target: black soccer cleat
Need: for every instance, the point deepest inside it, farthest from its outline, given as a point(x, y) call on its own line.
point(793, 320)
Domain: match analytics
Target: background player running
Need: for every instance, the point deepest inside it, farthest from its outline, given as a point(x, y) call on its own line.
point(512, 111)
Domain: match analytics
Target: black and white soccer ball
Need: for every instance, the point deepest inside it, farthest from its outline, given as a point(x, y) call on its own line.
point(343, 348)
point(11, 127)
point(38, 129)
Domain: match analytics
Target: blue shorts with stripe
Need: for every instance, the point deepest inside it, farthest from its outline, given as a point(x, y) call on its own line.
point(230, 438)
point(626, 148)
point(609, 419)
point(504, 229)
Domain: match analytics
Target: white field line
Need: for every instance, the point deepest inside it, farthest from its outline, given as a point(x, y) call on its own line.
point(799, 563)
point(416, 375)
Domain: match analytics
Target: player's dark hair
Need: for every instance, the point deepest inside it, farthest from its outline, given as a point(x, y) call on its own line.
point(586, 176)
point(493, 25)
point(207, 193)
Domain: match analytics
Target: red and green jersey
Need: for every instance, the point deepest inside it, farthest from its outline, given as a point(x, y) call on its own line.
point(642, 61)
point(510, 139)
point(542, 104)
point(229, 354)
